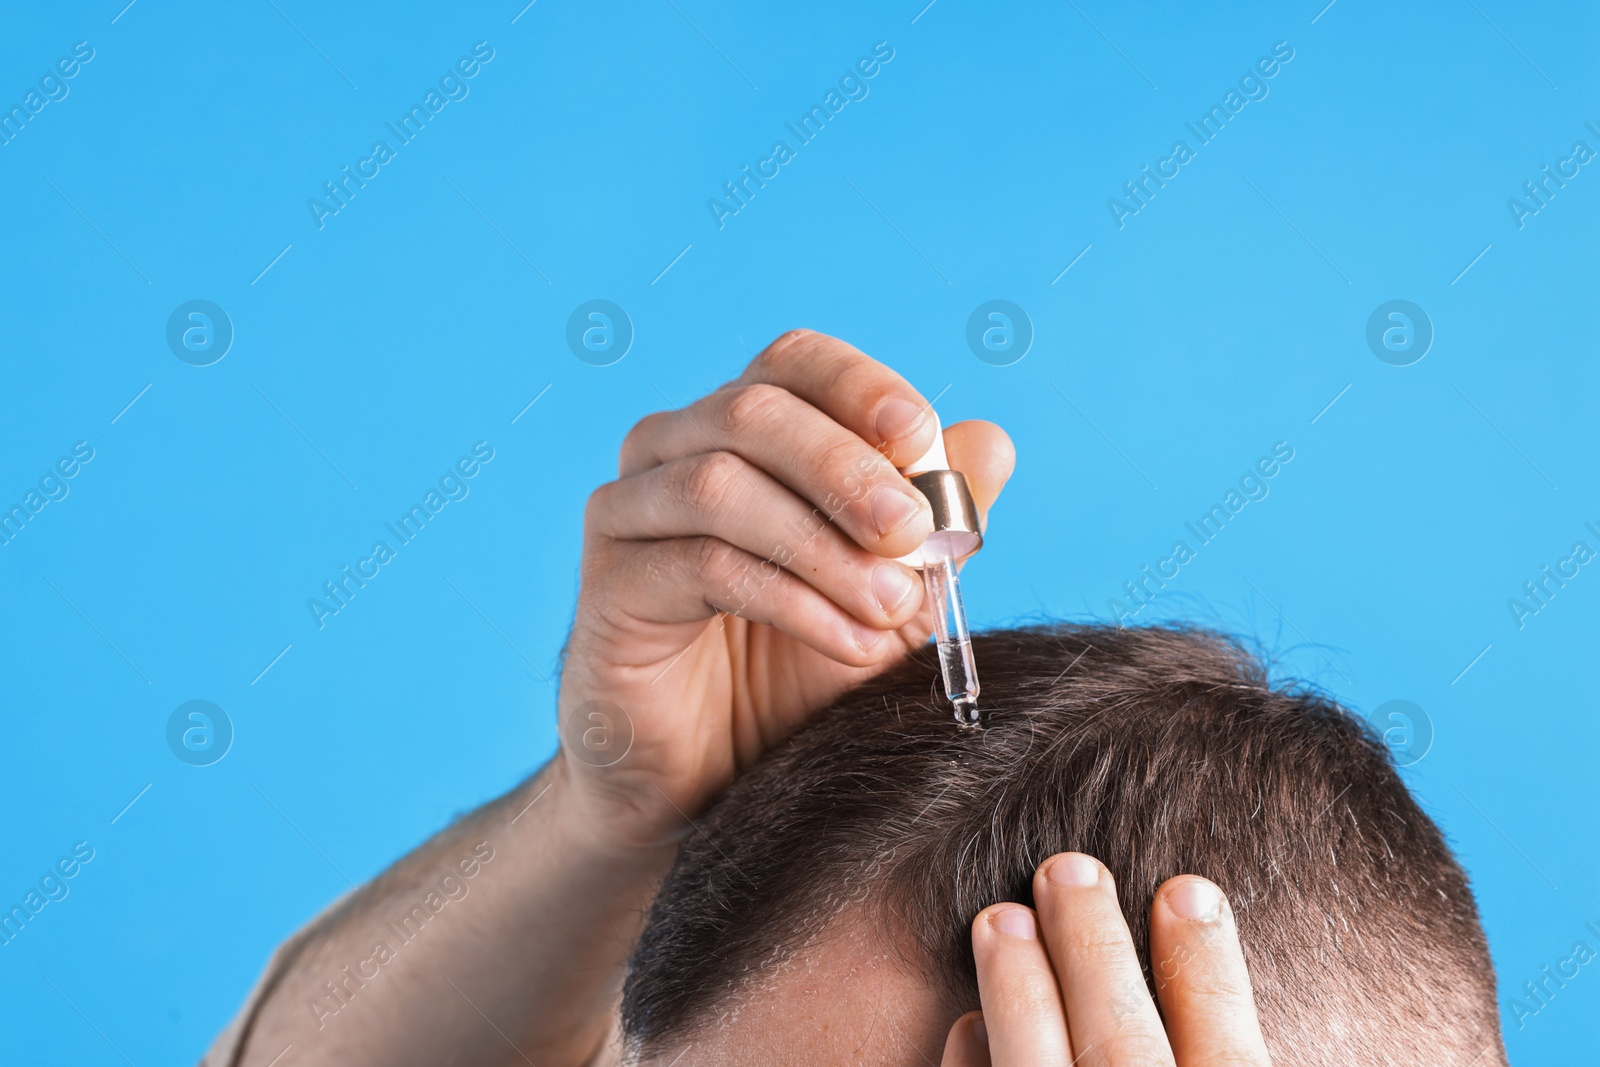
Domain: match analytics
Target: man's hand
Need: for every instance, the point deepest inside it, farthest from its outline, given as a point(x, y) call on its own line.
point(1063, 985)
point(740, 573)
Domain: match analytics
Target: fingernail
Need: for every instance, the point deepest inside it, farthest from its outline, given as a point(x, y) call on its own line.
point(1196, 899)
point(980, 1033)
point(1018, 922)
point(1074, 870)
point(891, 584)
point(866, 637)
point(898, 417)
point(892, 509)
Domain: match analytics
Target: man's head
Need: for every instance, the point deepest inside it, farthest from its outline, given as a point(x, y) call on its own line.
point(824, 909)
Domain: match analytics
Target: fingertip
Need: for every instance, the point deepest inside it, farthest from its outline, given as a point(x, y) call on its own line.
point(1008, 920)
point(903, 521)
point(1071, 870)
point(899, 591)
point(1193, 899)
point(868, 643)
point(984, 453)
point(980, 922)
point(904, 426)
point(968, 1043)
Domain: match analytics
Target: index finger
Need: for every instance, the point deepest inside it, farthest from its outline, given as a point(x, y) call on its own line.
point(852, 388)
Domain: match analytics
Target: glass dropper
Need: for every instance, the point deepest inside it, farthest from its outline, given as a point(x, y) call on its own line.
point(956, 535)
point(953, 638)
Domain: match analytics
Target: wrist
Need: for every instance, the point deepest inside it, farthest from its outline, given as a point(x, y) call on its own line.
point(595, 834)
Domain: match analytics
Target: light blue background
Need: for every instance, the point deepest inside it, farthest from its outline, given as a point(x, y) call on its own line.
point(1224, 317)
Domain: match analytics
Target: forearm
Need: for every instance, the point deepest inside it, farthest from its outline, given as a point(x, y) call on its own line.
point(427, 964)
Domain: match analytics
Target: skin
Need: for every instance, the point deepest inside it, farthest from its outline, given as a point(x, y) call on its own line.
point(716, 611)
point(1061, 985)
point(846, 998)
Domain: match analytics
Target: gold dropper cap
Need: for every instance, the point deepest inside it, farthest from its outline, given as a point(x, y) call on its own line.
point(955, 513)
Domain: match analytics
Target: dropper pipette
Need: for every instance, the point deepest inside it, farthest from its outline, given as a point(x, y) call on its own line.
point(956, 535)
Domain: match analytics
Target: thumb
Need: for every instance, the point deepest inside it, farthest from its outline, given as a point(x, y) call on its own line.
point(982, 451)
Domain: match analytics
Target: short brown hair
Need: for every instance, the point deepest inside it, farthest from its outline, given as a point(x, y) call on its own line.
point(1160, 751)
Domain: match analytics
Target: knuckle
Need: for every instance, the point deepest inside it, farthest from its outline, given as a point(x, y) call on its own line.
point(1198, 977)
point(1034, 999)
point(643, 425)
point(595, 507)
point(867, 382)
point(712, 482)
point(850, 465)
point(749, 407)
point(1100, 945)
point(634, 444)
point(713, 560)
point(785, 345)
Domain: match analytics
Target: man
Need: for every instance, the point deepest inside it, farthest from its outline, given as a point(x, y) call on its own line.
point(737, 579)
